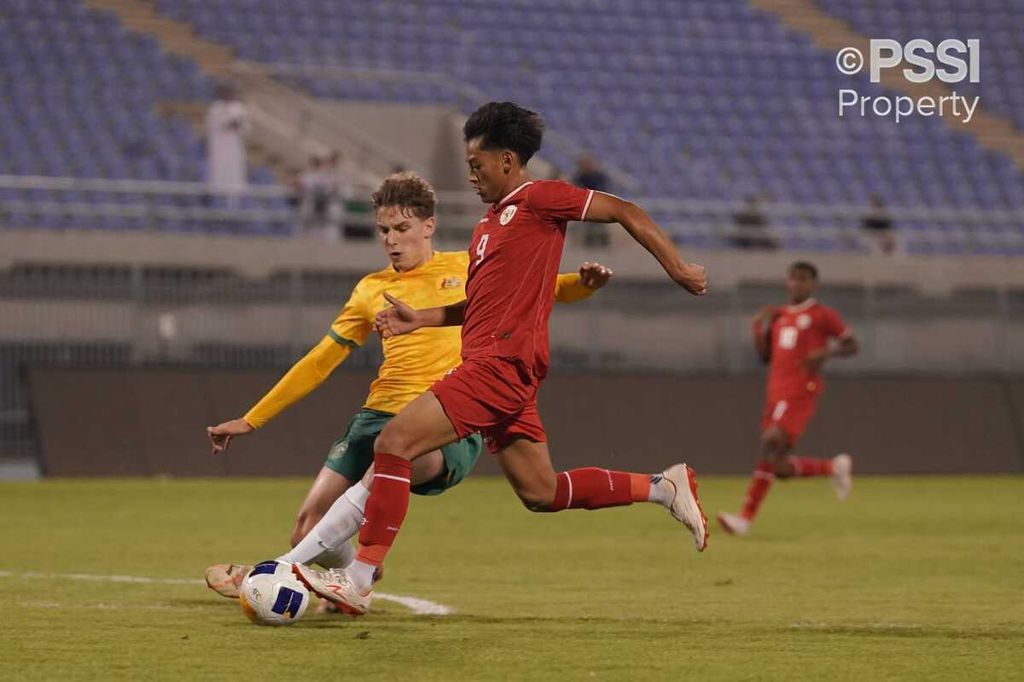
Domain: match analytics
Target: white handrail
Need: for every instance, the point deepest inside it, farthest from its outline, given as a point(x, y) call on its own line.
point(470, 202)
point(459, 211)
point(165, 187)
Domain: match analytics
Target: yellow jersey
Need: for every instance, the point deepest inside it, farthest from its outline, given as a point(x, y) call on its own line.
point(412, 362)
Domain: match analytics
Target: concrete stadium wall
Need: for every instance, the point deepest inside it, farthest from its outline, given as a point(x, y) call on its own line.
point(258, 257)
point(151, 421)
point(429, 135)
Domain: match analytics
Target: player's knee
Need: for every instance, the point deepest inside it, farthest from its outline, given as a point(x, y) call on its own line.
point(773, 444)
point(394, 441)
point(781, 467)
point(782, 472)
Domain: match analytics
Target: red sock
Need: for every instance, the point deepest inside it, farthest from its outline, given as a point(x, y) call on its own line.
point(593, 488)
point(810, 466)
point(385, 507)
point(764, 474)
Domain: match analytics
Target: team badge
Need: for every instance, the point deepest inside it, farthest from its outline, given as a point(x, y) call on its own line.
point(507, 215)
point(803, 321)
point(450, 282)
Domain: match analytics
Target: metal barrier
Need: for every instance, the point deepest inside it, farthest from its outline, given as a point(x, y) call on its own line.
point(711, 224)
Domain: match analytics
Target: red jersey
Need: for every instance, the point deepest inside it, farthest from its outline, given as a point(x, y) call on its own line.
point(795, 333)
point(513, 262)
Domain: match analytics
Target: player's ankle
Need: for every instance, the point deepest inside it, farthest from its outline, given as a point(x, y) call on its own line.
point(361, 575)
point(662, 491)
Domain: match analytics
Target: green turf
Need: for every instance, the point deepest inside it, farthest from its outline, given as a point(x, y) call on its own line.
point(911, 578)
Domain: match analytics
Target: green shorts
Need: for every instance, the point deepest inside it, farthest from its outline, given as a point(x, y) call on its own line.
point(352, 455)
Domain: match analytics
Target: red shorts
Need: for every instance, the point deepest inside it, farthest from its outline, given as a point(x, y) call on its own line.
point(494, 397)
point(791, 414)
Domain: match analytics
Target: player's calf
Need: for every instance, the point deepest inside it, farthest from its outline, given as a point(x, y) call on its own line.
point(595, 488)
point(538, 498)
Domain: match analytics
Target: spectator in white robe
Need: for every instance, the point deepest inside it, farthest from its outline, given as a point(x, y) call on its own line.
point(227, 124)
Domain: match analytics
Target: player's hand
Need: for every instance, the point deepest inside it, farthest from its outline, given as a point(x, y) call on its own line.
point(221, 434)
point(693, 278)
point(767, 314)
point(594, 275)
point(396, 320)
point(815, 360)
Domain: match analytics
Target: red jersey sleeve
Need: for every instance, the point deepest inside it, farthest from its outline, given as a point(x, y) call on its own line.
point(833, 325)
point(560, 200)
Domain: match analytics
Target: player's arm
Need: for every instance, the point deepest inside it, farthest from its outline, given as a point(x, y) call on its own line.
point(304, 376)
point(571, 287)
point(347, 332)
point(607, 208)
point(842, 343)
point(846, 346)
point(761, 327)
point(843, 347)
point(402, 318)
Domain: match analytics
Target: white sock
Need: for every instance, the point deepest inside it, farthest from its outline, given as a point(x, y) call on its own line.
point(361, 575)
point(311, 550)
point(662, 491)
point(328, 542)
point(356, 496)
point(337, 557)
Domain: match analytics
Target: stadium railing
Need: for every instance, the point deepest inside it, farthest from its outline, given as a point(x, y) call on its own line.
point(159, 205)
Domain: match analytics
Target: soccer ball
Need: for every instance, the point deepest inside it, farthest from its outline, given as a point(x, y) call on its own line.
point(271, 595)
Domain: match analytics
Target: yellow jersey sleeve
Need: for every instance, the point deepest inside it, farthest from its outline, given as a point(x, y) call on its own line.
point(299, 381)
point(355, 321)
point(348, 331)
point(569, 288)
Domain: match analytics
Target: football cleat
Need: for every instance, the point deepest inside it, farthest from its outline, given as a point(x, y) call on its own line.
point(685, 506)
point(842, 475)
point(334, 585)
point(330, 607)
point(226, 579)
point(734, 524)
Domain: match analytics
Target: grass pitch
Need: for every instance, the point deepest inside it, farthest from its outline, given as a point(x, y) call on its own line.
point(918, 578)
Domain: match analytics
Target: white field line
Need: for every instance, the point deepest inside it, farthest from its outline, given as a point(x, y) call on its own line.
point(421, 607)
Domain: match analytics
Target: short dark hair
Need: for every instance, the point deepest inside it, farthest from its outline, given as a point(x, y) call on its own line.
point(806, 266)
point(409, 192)
point(506, 125)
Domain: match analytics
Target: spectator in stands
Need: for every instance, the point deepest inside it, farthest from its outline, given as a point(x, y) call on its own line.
point(340, 191)
point(315, 200)
point(227, 124)
point(752, 226)
point(295, 190)
point(877, 225)
point(590, 175)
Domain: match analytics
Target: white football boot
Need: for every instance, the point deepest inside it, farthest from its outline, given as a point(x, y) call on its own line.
point(335, 586)
point(734, 524)
point(842, 475)
point(685, 506)
point(226, 579)
point(330, 607)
